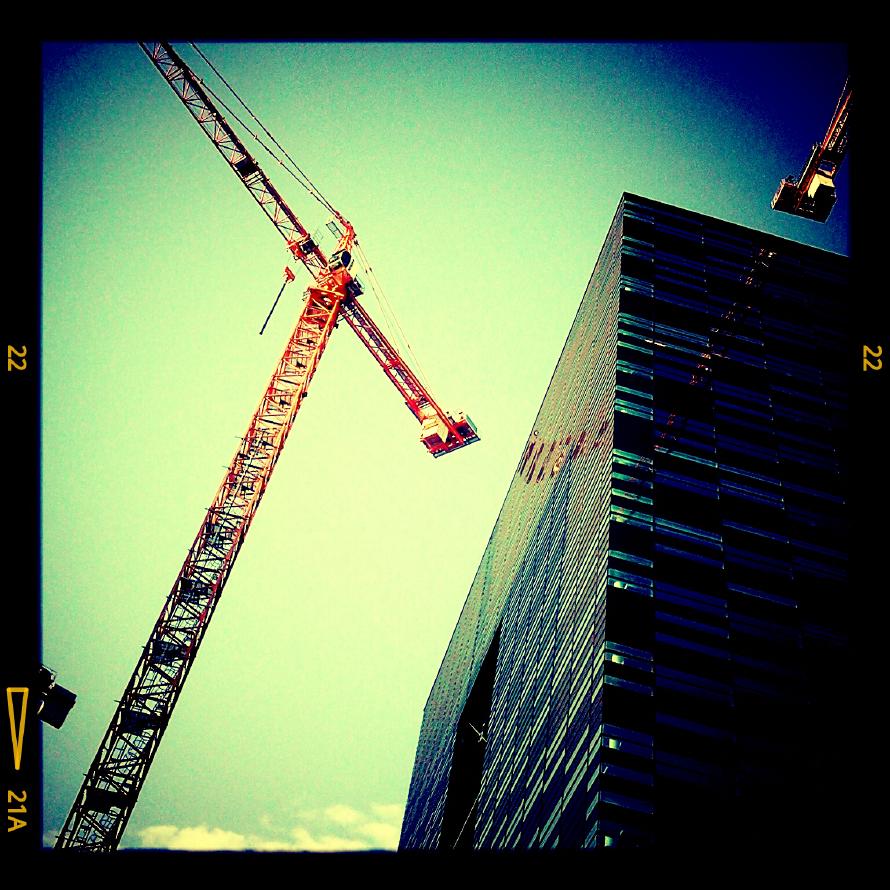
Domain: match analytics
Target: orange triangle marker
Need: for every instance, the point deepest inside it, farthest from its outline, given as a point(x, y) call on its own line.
point(17, 727)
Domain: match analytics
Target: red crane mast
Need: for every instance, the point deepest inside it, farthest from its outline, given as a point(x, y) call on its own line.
point(111, 786)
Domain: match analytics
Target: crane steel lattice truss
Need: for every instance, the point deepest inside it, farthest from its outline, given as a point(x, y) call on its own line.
point(812, 194)
point(103, 807)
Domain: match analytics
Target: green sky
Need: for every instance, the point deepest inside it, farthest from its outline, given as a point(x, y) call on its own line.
point(481, 179)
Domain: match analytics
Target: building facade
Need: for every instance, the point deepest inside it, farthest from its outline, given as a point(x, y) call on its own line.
point(651, 650)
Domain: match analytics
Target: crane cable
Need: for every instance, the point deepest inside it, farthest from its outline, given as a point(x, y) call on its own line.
point(389, 313)
point(385, 306)
point(288, 277)
point(308, 184)
point(460, 834)
point(470, 813)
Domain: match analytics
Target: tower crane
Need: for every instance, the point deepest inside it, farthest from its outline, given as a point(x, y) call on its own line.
point(813, 194)
point(111, 786)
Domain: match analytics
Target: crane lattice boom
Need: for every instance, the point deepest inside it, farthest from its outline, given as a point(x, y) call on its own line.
point(812, 194)
point(108, 795)
point(112, 784)
point(441, 432)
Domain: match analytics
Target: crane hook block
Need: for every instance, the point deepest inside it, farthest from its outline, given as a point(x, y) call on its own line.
point(288, 274)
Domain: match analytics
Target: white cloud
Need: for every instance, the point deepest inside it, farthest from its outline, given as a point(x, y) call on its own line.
point(355, 830)
point(305, 840)
point(49, 837)
point(268, 846)
point(200, 837)
point(342, 814)
point(386, 836)
point(388, 812)
point(337, 827)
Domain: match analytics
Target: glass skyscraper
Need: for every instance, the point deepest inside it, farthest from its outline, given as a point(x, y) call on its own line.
point(652, 648)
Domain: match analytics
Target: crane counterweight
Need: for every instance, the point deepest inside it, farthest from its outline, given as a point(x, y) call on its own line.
point(813, 193)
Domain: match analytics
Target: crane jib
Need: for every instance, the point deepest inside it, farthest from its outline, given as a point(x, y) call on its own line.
point(111, 786)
